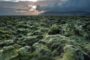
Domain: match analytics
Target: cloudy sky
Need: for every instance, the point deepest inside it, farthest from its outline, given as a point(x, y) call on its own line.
point(33, 0)
point(18, 0)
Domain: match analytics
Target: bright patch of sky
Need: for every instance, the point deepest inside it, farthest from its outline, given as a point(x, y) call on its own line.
point(32, 0)
point(20, 0)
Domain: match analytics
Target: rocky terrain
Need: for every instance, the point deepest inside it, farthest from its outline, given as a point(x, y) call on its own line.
point(44, 38)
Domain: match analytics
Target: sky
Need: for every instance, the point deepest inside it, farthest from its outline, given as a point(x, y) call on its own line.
point(62, 5)
point(60, 1)
point(19, 0)
point(33, 0)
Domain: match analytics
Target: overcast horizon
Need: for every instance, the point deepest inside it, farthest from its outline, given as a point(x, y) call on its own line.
point(50, 7)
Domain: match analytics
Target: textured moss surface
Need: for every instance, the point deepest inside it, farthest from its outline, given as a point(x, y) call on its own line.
point(44, 38)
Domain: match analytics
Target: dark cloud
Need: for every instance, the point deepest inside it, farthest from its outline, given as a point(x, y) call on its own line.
point(68, 6)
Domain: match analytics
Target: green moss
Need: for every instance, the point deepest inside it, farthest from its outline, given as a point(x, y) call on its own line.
point(72, 53)
point(55, 29)
point(44, 38)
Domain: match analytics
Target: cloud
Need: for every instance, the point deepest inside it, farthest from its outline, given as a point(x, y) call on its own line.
point(10, 0)
point(21, 0)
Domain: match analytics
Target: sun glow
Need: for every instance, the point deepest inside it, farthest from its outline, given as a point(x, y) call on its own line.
point(33, 0)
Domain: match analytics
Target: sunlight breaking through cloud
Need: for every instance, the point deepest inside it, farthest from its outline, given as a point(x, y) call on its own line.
point(21, 0)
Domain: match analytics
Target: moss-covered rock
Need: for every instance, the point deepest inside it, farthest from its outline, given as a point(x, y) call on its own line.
point(8, 53)
point(72, 53)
